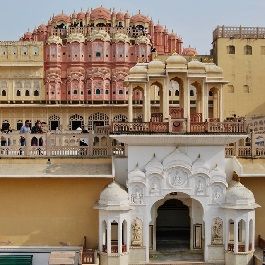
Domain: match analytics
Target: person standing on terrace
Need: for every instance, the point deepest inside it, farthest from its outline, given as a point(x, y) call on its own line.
point(24, 129)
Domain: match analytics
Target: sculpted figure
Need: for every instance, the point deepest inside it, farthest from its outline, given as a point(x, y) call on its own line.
point(137, 233)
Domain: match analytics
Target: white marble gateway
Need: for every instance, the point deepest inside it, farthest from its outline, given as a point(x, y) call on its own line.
point(215, 212)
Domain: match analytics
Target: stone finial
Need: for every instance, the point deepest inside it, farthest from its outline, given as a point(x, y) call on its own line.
point(235, 177)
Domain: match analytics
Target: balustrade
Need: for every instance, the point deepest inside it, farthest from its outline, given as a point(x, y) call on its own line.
point(88, 256)
point(59, 144)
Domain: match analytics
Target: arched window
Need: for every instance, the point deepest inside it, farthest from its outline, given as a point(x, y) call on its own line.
point(231, 49)
point(120, 92)
point(89, 92)
point(27, 93)
point(18, 93)
point(169, 93)
point(3, 94)
point(97, 119)
point(75, 92)
point(248, 50)
point(210, 93)
point(36, 93)
point(54, 122)
point(98, 91)
point(191, 93)
point(177, 93)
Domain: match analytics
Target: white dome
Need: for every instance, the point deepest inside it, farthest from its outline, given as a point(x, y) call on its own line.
point(138, 69)
point(156, 64)
point(196, 65)
point(200, 165)
point(154, 166)
point(239, 197)
point(176, 59)
point(213, 68)
point(177, 158)
point(114, 195)
point(137, 173)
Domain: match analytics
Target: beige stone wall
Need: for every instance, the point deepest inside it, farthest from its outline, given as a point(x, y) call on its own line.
point(245, 93)
point(49, 211)
point(256, 185)
point(21, 69)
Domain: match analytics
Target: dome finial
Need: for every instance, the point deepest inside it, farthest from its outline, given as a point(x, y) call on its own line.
point(235, 177)
point(199, 155)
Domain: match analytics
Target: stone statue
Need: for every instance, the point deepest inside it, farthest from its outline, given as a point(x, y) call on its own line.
point(200, 188)
point(217, 231)
point(137, 198)
point(137, 235)
point(154, 188)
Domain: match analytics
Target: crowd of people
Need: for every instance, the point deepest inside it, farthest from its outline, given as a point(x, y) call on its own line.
point(38, 128)
point(26, 128)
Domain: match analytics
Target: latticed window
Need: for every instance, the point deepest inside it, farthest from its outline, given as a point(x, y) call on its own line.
point(120, 118)
point(97, 119)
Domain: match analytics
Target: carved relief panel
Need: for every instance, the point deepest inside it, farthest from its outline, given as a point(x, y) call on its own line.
point(137, 233)
point(217, 231)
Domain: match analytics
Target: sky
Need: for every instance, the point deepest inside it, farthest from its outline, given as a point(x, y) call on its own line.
point(193, 20)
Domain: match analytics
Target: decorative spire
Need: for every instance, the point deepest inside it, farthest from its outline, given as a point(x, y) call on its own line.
point(235, 177)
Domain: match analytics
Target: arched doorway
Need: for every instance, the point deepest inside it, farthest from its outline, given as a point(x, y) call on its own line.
point(173, 226)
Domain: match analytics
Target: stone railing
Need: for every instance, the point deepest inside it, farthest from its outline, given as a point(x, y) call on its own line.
point(252, 147)
point(89, 256)
point(178, 126)
point(241, 247)
point(239, 32)
point(115, 248)
point(140, 127)
point(73, 144)
point(87, 30)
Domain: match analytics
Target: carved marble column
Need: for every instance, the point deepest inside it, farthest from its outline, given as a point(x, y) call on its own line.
point(109, 237)
point(235, 236)
point(130, 103)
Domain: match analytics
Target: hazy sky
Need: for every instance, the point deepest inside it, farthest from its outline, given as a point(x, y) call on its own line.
point(194, 20)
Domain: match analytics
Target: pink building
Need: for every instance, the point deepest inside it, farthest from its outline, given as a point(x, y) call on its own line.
point(88, 54)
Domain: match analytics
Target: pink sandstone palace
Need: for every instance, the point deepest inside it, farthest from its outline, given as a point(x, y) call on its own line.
point(87, 55)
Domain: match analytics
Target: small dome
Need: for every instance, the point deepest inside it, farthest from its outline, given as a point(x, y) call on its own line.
point(138, 69)
point(127, 15)
point(139, 18)
point(159, 28)
point(154, 166)
point(200, 165)
point(156, 64)
point(100, 13)
point(189, 51)
point(61, 18)
point(120, 16)
point(27, 35)
point(177, 158)
point(81, 15)
point(114, 195)
point(42, 28)
point(239, 197)
point(218, 172)
point(176, 59)
point(53, 39)
point(76, 37)
point(213, 68)
point(136, 173)
point(196, 65)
